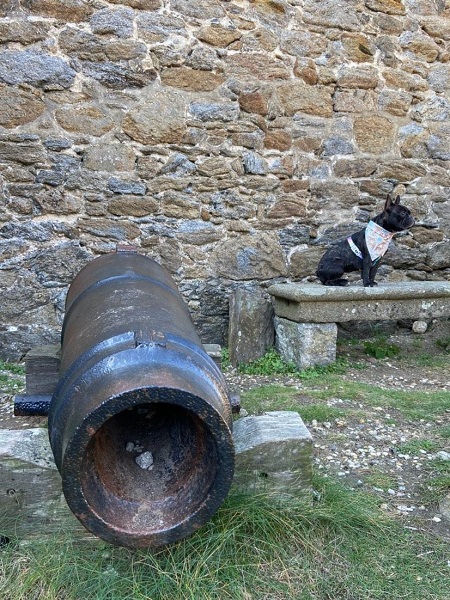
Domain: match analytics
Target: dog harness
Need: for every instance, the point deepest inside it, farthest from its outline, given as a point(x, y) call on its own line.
point(377, 241)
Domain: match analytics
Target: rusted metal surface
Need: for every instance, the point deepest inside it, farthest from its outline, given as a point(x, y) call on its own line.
point(140, 422)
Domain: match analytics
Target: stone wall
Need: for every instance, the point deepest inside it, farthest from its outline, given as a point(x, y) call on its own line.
point(231, 140)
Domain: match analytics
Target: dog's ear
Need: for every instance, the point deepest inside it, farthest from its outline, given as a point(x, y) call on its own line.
point(388, 202)
point(397, 200)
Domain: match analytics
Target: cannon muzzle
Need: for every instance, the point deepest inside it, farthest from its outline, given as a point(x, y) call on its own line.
point(140, 421)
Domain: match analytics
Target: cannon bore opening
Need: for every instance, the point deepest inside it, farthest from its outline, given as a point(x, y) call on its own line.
point(149, 468)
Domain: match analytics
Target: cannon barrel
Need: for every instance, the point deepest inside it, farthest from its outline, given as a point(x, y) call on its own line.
point(140, 421)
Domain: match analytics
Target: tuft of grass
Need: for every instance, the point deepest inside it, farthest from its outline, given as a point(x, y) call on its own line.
point(438, 481)
point(445, 431)
point(443, 344)
point(269, 364)
point(320, 412)
point(12, 368)
point(380, 479)
point(272, 364)
point(9, 381)
point(225, 358)
point(379, 348)
point(339, 367)
point(415, 447)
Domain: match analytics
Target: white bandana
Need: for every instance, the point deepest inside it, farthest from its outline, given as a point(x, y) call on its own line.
point(377, 240)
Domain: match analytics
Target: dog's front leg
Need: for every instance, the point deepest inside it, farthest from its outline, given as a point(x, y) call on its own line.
point(365, 271)
point(372, 272)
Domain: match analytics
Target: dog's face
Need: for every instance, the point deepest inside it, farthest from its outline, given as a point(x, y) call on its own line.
point(396, 217)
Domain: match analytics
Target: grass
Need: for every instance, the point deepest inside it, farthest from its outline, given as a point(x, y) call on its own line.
point(445, 432)
point(277, 397)
point(319, 384)
point(271, 364)
point(438, 482)
point(12, 368)
point(444, 344)
point(380, 479)
point(341, 546)
point(379, 348)
point(10, 384)
point(412, 404)
point(415, 447)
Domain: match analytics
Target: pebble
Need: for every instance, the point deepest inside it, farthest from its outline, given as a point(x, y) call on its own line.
point(442, 455)
point(419, 326)
point(134, 447)
point(145, 461)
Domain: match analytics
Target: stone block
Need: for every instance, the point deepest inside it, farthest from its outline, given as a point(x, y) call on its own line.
point(39, 70)
point(251, 329)
point(32, 504)
point(273, 453)
point(19, 105)
point(306, 344)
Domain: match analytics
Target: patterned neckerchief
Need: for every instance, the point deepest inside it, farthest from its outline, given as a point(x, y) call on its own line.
point(377, 240)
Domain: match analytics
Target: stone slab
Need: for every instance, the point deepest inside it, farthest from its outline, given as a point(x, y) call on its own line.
point(273, 452)
point(32, 505)
point(313, 303)
point(250, 331)
point(306, 344)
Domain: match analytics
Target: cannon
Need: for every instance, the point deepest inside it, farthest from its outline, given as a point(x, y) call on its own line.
point(140, 421)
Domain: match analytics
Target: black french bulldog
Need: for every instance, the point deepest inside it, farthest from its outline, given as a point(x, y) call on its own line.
point(363, 250)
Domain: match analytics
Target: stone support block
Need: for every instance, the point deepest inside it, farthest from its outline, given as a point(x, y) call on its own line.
point(306, 344)
point(273, 453)
point(251, 329)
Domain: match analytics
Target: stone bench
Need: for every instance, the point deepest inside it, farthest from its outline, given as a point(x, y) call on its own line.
point(306, 315)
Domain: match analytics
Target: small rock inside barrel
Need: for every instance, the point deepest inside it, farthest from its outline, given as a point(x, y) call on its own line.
point(144, 460)
point(134, 447)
